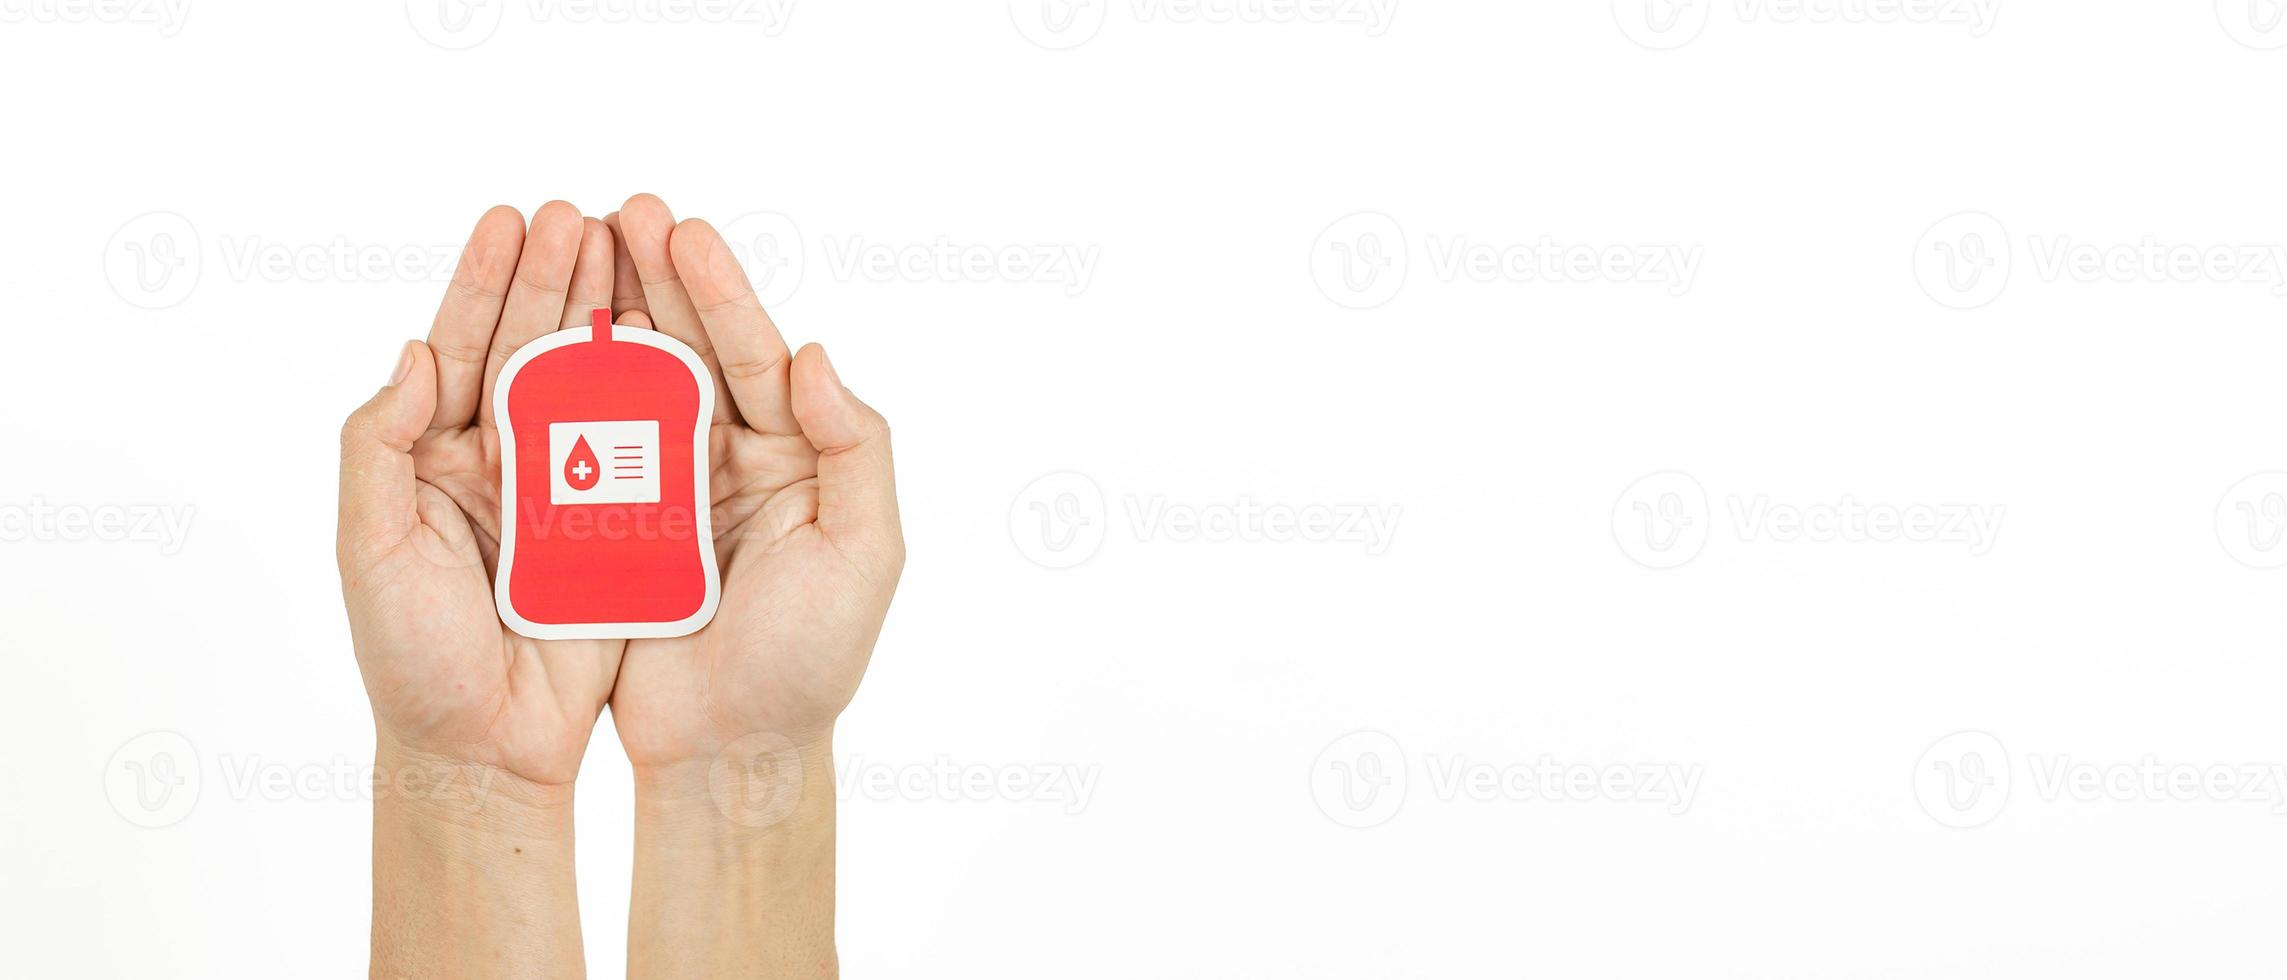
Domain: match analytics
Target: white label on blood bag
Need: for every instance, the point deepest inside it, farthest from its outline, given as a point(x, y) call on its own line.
point(603, 462)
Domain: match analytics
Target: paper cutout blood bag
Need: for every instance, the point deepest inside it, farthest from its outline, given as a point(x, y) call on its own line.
point(604, 503)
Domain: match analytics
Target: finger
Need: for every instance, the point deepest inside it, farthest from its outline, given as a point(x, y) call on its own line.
point(626, 285)
point(591, 276)
point(857, 485)
point(378, 507)
point(635, 318)
point(752, 357)
point(535, 304)
point(648, 225)
point(462, 333)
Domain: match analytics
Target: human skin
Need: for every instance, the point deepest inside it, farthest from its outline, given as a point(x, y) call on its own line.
point(480, 732)
point(730, 729)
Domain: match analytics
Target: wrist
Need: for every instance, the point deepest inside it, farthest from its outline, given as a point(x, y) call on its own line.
point(749, 786)
point(734, 862)
point(472, 870)
point(476, 798)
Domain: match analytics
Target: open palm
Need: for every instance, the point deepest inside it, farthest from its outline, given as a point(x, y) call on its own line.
point(804, 514)
point(420, 518)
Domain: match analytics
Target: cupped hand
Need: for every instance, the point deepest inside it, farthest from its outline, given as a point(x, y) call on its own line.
point(804, 514)
point(420, 519)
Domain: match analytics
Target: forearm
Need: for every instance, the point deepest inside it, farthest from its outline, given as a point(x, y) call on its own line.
point(472, 873)
point(734, 864)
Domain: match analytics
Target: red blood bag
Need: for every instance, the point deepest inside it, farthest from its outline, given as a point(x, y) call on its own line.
point(603, 486)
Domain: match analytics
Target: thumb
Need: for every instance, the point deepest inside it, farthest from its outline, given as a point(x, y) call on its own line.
point(857, 486)
point(376, 458)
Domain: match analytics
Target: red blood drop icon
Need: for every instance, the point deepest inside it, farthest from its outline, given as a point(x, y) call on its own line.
point(580, 469)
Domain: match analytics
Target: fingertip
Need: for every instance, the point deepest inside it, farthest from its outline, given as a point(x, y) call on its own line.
point(691, 233)
point(699, 252)
point(494, 243)
point(557, 217)
point(646, 211)
point(813, 356)
point(420, 376)
point(696, 229)
point(636, 318)
point(499, 214)
point(644, 223)
point(398, 413)
point(820, 398)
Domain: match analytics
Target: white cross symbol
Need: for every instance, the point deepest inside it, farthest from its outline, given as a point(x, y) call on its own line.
point(581, 469)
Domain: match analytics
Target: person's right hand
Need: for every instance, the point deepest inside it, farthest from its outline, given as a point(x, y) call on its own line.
point(420, 521)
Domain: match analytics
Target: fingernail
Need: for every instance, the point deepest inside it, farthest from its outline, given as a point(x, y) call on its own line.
point(404, 365)
point(831, 374)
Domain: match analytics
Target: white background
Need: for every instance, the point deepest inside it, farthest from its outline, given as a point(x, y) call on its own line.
point(1206, 682)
